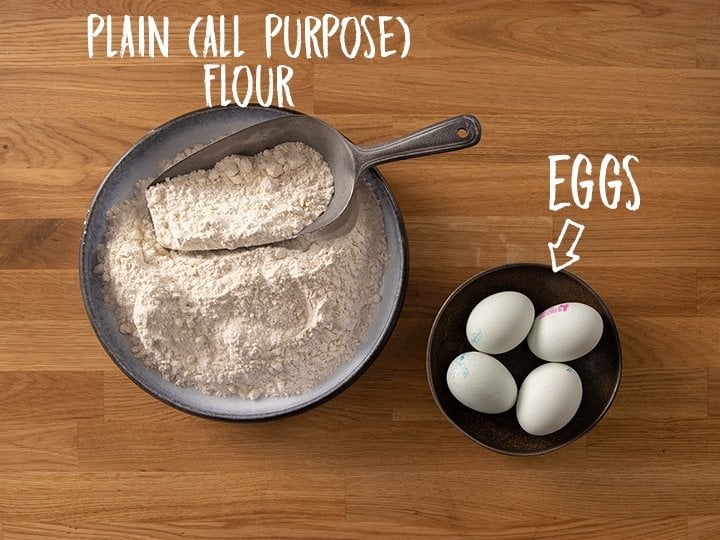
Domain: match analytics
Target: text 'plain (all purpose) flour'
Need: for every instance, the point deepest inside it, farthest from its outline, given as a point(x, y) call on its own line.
point(268, 321)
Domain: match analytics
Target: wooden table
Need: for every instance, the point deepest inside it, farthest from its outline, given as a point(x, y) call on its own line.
point(84, 453)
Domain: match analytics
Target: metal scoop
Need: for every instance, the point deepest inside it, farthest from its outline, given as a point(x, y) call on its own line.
point(346, 160)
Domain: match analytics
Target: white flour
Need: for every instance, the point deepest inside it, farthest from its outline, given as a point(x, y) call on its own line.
point(242, 201)
point(269, 321)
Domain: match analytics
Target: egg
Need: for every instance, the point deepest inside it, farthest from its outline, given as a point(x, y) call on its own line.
point(565, 332)
point(481, 382)
point(548, 398)
point(500, 322)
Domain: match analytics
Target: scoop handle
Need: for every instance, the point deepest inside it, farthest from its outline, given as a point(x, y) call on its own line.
point(452, 134)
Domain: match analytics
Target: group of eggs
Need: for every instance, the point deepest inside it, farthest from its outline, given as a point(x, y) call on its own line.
point(550, 395)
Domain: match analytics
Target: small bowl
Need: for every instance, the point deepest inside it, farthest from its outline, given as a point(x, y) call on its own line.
point(600, 370)
point(144, 160)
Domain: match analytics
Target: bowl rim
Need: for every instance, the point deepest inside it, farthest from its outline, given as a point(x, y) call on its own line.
point(503, 268)
point(379, 344)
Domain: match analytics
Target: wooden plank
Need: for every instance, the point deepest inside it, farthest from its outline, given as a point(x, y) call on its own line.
point(644, 291)
point(29, 396)
point(509, 89)
point(40, 446)
point(664, 342)
point(28, 296)
point(477, 239)
point(621, 240)
point(157, 446)
point(662, 393)
point(525, 139)
point(51, 345)
point(240, 497)
point(35, 193)
point(38, 244)
point(40, 295)
point(58, 143)
point(571, 528)
point(444, 499)
point(472, 189)
point(652, 442)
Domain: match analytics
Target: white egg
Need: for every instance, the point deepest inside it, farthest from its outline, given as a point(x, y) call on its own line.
point(565, 332)
point(500, 322)
point(481, 382)
point(548, 398)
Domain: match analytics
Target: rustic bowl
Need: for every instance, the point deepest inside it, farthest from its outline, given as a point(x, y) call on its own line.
point(600, 370)
point(144, 160)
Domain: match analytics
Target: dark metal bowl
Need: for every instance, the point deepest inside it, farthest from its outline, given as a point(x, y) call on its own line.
point(600, 370)
point(144, 160)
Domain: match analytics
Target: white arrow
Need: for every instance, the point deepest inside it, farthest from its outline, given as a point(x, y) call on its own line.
point(570, 253)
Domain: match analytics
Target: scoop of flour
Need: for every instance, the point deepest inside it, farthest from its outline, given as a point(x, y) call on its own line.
point(243, 200)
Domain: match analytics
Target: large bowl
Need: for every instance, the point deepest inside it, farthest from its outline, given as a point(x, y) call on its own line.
point(600, 370)
point(144, 160)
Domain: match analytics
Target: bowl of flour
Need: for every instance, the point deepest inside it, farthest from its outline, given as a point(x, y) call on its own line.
point(250, 333)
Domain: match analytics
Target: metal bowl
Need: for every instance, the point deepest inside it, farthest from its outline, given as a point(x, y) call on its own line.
point(600, 370)
point(144, 160)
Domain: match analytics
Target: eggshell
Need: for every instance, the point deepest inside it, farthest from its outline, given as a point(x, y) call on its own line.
point(481, 382)
point(500, 322)
point(548, 398)
point(565, 332)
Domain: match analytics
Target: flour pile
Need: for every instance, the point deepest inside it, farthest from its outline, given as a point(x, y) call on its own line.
point(270, 321)
point(243, 200)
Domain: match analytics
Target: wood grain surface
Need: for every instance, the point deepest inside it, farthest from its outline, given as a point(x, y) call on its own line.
point(84, 453)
